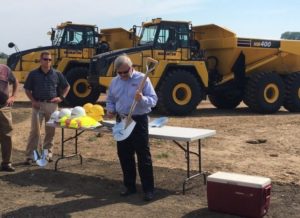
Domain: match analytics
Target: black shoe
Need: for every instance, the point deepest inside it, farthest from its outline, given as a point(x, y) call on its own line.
point(127, 192)
point(148, 196)
point(28, 162)
point(49, 159)
point(8, 168)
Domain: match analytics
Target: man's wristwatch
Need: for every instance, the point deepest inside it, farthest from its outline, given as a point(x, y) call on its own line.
point(62, 98)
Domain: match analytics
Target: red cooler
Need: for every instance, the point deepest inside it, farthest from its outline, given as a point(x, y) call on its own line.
point(243, 195)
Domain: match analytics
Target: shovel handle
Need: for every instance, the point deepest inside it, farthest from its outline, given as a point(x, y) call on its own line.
point(38, 122)
point(150, 66)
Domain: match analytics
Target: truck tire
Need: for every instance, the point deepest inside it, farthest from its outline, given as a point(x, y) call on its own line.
point(80, 90)
point(227, 100)
point(292, 92)
point(264, 92)
point(179, 93)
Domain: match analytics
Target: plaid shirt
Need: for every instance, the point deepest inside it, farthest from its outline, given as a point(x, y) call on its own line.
point(6, 78)
point(45, 86)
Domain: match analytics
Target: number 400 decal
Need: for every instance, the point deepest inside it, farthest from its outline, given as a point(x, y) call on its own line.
point(264, 44)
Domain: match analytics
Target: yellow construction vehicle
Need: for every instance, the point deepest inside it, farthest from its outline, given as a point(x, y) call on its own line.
point(72, 47)
point(208, 60)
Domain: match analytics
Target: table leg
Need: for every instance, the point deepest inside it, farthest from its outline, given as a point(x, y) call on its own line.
point(63, 140)
point(200, 162)
point(187, 156)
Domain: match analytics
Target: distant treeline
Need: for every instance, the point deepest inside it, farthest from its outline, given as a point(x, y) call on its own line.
point(3, 55)
point(290, 35)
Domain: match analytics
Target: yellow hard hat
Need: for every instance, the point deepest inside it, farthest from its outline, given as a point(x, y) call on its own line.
point(85, 122)
point(63, 120)
point(72, 123)
point(87, 107)
point(97, 109)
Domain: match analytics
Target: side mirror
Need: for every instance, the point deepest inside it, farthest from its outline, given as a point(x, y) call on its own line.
point(132, 34)
point(11, 45)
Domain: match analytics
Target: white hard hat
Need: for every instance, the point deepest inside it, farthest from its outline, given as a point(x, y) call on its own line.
point(65, 112)
point(54, 117)
point(78, 111)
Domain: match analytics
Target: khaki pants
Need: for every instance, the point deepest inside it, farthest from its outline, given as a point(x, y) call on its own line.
point(45, 111)
point(6, 134)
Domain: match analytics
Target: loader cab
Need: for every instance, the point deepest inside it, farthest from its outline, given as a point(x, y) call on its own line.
point(75, 36)
point(166, 35)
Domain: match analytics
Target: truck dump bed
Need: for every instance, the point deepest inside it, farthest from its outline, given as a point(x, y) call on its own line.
point(117, 38)
point(281, 56)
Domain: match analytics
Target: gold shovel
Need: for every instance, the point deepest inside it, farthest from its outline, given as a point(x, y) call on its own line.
point(123, 129)
point(40, 157)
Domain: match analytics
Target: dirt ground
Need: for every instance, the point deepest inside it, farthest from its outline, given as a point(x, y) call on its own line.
point(92, 189)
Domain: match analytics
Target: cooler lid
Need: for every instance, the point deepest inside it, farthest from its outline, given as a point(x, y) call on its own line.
point(239, 179)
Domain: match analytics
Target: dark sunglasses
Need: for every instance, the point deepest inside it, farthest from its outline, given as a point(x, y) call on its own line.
point(124, 72)
point(47, 59)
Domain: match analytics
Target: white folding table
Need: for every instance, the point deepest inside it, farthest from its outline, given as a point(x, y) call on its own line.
point(176, 134)
point(184, 135)
point(77, 132)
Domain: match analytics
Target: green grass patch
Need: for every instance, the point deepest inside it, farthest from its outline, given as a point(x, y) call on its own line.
point(158, 141)
point(162, 155)
point(92, 138)
point(2, 61)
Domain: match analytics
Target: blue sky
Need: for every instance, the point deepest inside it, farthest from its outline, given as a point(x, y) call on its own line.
point(27, 22)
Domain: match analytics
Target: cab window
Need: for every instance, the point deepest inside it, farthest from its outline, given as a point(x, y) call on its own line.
point(81, 37)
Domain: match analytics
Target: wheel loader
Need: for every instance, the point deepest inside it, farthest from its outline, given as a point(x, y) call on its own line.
point(196, 62)
point(72, 47)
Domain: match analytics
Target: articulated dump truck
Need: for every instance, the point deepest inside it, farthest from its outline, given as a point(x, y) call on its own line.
point(262, 73)
point(196, 62)
point(73, 45)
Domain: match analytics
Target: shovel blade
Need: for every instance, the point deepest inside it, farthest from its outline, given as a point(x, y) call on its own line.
point(42, 162)
point(41, 159)
point(36, 155)
point(44, 154)
point(121, 133)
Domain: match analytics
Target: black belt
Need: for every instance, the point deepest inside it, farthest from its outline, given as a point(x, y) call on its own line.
point(119, 117)
point(46, 101)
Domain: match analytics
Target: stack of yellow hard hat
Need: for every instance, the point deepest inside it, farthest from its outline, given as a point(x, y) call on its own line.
point(63, 115)
point(85, 122)
point(82, 122)
point(95, 111)
point(79, 118)
point(71, 121)
point(87, 107)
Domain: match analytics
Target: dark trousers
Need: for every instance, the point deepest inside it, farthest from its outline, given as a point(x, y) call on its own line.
point(137, 143)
